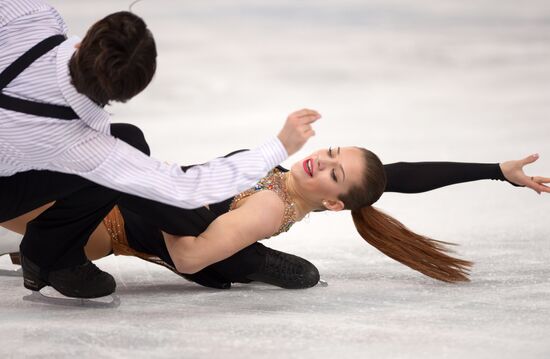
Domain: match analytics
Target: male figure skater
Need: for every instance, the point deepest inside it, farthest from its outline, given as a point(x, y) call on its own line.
point(52, 123)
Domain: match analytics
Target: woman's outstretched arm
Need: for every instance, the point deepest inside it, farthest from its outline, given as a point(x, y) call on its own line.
point(416, 177)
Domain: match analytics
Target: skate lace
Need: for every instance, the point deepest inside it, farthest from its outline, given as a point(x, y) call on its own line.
point(278, 263)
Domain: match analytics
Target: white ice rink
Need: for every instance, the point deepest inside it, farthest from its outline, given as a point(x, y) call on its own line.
point(410, 80)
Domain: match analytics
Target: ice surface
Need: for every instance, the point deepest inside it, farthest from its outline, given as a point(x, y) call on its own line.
point(411, 80)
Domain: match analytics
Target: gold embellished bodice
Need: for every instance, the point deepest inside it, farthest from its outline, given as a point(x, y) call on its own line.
point(274, 181)
point(114, 223)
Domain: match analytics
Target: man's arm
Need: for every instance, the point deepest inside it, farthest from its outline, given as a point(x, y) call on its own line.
point(119, 166)
point(112, 163)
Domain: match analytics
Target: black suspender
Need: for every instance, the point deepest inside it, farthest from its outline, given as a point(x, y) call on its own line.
point(17, 67)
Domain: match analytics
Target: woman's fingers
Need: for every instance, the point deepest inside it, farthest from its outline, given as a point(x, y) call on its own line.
point(538, 184)
point(530, 159)
point(540, 179)
point(513, 172)
point(533, 186)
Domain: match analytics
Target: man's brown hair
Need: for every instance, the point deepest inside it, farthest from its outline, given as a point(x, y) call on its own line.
point(116, 59)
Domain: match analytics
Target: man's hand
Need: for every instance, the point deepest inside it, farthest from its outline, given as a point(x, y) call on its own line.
point(513, 171)
point(298, 130)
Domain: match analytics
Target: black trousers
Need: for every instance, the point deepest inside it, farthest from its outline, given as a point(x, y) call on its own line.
point(57, 237)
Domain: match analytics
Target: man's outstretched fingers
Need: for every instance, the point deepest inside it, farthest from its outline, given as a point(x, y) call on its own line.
point(306, 112)
point(296, 130)
point(310, 118)
point(309, 133)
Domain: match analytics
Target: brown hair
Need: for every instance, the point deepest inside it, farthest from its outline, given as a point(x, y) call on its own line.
point(391, 237)
point(116, 59)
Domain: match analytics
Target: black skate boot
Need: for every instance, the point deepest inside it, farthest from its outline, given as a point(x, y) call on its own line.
point(285, 270)
point(82, 281)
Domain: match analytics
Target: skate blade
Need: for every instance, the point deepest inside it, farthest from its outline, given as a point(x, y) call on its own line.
point(52, 297)
point(11, 272)
point(322, 283)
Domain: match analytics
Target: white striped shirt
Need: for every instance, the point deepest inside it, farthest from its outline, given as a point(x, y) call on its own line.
point(85, 147)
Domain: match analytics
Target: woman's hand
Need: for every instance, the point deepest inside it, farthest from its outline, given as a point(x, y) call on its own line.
point(513, 171)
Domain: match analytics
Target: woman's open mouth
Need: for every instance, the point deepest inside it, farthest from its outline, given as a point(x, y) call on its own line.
point(308, 167)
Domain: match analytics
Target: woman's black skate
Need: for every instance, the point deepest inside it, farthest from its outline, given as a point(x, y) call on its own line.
point(285, 270)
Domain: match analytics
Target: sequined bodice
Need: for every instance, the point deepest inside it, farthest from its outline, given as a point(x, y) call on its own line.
point(274, 181)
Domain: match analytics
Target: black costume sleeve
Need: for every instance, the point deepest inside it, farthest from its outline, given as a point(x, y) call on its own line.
point(416, 177)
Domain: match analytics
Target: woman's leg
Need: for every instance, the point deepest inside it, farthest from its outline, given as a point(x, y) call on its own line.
point(98, 245)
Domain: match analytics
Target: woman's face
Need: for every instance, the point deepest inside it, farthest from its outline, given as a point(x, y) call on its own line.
point(328, 173)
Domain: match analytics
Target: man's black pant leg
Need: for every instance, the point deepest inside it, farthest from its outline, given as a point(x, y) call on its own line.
point(57, 237)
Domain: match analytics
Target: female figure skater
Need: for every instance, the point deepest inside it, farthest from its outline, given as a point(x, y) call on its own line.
point(329, 179)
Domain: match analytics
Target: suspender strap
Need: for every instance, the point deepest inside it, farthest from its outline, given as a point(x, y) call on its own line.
point(37, 108)
point(16, 68)
point(13, 70)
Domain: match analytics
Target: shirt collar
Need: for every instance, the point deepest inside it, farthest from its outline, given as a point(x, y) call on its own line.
point(88, 111)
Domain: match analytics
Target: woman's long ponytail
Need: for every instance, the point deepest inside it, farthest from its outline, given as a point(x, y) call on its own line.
point(423, 254)
point(391, 237)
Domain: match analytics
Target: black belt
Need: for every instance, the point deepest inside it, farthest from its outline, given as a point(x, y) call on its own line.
point(16, 68)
